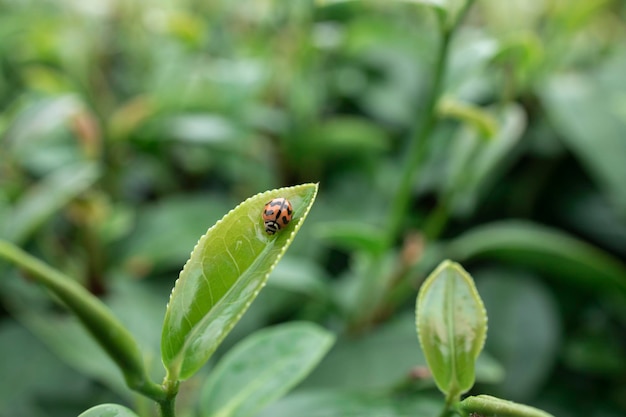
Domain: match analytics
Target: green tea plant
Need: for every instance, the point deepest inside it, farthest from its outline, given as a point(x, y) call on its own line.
point(452, 326)
point(488, 133)
point(227, 269)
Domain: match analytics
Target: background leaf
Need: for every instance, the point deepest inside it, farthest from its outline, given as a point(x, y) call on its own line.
point(263, 368)
point(391, 355)
point(524, 330)
point(586, 111)
point(225, 272)
point(338, 403)
point(108, 410)
point(110, 333)
point(45, 198)
point(36, 384)
point(475, 162)
point(452, 327)
point(548, 249)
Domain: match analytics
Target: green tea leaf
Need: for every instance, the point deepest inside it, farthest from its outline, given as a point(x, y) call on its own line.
point(224, 274)
point(263, 368)
point(488, 406)
point(551, 250)
point(108, 410)
point(452, 326)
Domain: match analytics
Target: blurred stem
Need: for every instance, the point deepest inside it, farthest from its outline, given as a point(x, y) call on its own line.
point(437, 219)
point(371, 296)
point(417, 146)
point(419, 139)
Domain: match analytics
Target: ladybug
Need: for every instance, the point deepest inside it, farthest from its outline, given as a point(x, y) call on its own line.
point(276, 215)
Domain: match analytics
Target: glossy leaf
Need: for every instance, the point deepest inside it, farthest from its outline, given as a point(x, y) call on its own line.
point(224, 274)
point(108, 410)
point(488, 406)
point(263, 368)
point(452, 326)
point(46, 198)
point(548, 249)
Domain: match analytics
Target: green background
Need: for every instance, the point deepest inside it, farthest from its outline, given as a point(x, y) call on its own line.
point(128, 128)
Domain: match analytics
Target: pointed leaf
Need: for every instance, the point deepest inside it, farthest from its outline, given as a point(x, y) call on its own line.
point(108, 410)
point(263, 368)
point(488, 406)
point(224, 274)
point(452, 327)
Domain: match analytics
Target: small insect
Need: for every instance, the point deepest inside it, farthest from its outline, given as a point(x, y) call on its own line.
point(276, 215)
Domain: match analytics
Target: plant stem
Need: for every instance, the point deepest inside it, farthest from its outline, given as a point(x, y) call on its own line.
point(417, 146)
point(423, 128)
point(96, 317)
point(167, 407)
point(447, 407)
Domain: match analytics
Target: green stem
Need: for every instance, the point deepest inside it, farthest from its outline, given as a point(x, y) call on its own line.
point(167, 407)
point(447, 407)
point(424, 128)
point(437, 219)
point(417, 146)
point(108, 331)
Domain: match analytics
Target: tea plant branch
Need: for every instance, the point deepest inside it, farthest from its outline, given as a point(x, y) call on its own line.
point(424, 127)
point(108, 331)
point(167, 406)
point(451, 400)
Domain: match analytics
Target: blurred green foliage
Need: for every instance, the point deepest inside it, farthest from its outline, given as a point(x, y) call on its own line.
point(127, 128)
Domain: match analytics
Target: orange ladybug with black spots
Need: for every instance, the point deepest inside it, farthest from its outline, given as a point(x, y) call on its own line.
point(276, 215)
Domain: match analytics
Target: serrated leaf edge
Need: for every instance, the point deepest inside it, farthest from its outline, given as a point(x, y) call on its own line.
point(428, 283)
point(288, 241)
